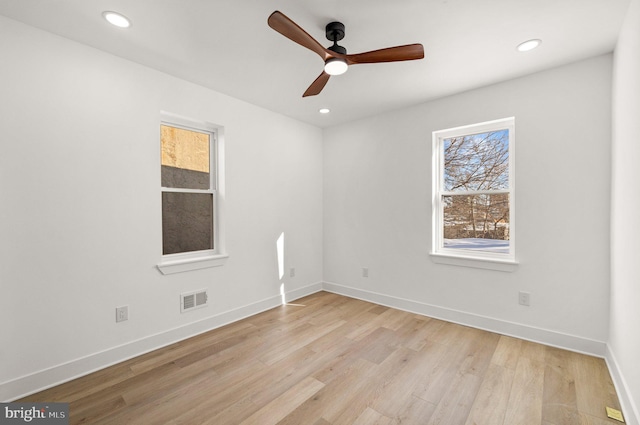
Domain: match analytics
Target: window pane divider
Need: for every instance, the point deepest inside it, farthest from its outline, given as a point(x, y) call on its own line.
point(185, 190)
point(476, 192)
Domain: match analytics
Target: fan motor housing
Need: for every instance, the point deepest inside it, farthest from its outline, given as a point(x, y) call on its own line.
point(334, 31)
point(338, 49)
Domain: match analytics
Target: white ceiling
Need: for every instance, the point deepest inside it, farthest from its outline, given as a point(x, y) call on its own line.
point(227, 46)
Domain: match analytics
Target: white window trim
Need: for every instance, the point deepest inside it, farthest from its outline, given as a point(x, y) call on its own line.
point(459, 257)
point(187, 261)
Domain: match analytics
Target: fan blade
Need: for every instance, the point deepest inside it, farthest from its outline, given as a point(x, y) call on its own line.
point(285, 26)
point(391, 54)
point(317, 86)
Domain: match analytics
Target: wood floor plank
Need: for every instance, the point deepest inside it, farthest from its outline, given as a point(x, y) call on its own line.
point(341, 361)
point(364, 324)
point(96, 382)
point(376, 346)
point(162, 408)
point(388, 373)
point(371, 417)
point(559, 401)
point(282, 376)
point(586, 419)
point(275, 411)
point(170, 378)
point(456, 403)
point(335, 397)
point(450, 334)
point(594, 387)
point(393, 319)
point(332, 341)
point(491, 402)
point(480, 346)
point(331, 360)
point(415, 411)
point(507, 352)
point(230, 402)
point(214, 341)
point(293, 341)
point(100, 409)
point(86, 407)
point(200, 414)
point(533, 351)
point(304, 309)
point(525, 399)
point(419, 331)
point(266, 382)
point(442, 373)
point(378, 309)
point(407, 379)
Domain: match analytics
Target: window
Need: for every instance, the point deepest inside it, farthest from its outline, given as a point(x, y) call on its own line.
point(190, 194)
point(473, 192)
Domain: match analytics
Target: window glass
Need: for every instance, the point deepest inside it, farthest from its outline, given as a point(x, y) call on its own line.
point(476, 222)
point(187, 222)
point(477, 161)
point(185, 158)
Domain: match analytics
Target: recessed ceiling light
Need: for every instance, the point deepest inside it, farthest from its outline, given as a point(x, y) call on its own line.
point(117, 19)
point(324, 110)
point(529, 45)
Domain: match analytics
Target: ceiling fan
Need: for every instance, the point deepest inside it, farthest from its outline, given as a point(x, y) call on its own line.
point(336, 60)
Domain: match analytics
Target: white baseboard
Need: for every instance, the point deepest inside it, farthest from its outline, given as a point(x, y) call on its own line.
point(629, 408)
point(47, 378)
point(529, 333)
point(303, 292)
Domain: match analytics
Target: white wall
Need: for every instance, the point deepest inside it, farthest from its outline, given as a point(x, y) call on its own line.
point(377, 213)
point(624, 343)
point(80, 221)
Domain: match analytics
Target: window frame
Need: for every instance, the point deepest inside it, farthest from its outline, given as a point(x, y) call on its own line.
point(457, 256)
point(194, 260)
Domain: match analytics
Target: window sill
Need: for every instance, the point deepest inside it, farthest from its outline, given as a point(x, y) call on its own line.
point(179, 265)
point(475, 262)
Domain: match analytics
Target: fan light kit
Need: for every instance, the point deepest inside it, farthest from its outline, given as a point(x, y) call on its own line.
point(335, 58)
point(117, 19)
point(335, 66)
point(529, 45)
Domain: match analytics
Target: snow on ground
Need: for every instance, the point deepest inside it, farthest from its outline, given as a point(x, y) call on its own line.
point(478, 244)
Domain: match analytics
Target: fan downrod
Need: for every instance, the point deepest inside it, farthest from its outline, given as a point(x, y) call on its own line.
point(335, 32)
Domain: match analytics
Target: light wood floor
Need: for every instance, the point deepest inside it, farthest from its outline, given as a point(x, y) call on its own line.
point(329, 359)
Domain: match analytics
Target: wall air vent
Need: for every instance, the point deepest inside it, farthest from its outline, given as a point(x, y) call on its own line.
point(193, 300)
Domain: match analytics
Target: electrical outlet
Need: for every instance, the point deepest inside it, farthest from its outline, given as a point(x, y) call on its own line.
point(292, 272)
point(524, 298)
point(122, 313)
point(365, 272)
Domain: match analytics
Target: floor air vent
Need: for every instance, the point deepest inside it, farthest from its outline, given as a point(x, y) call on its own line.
point(193, 300)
